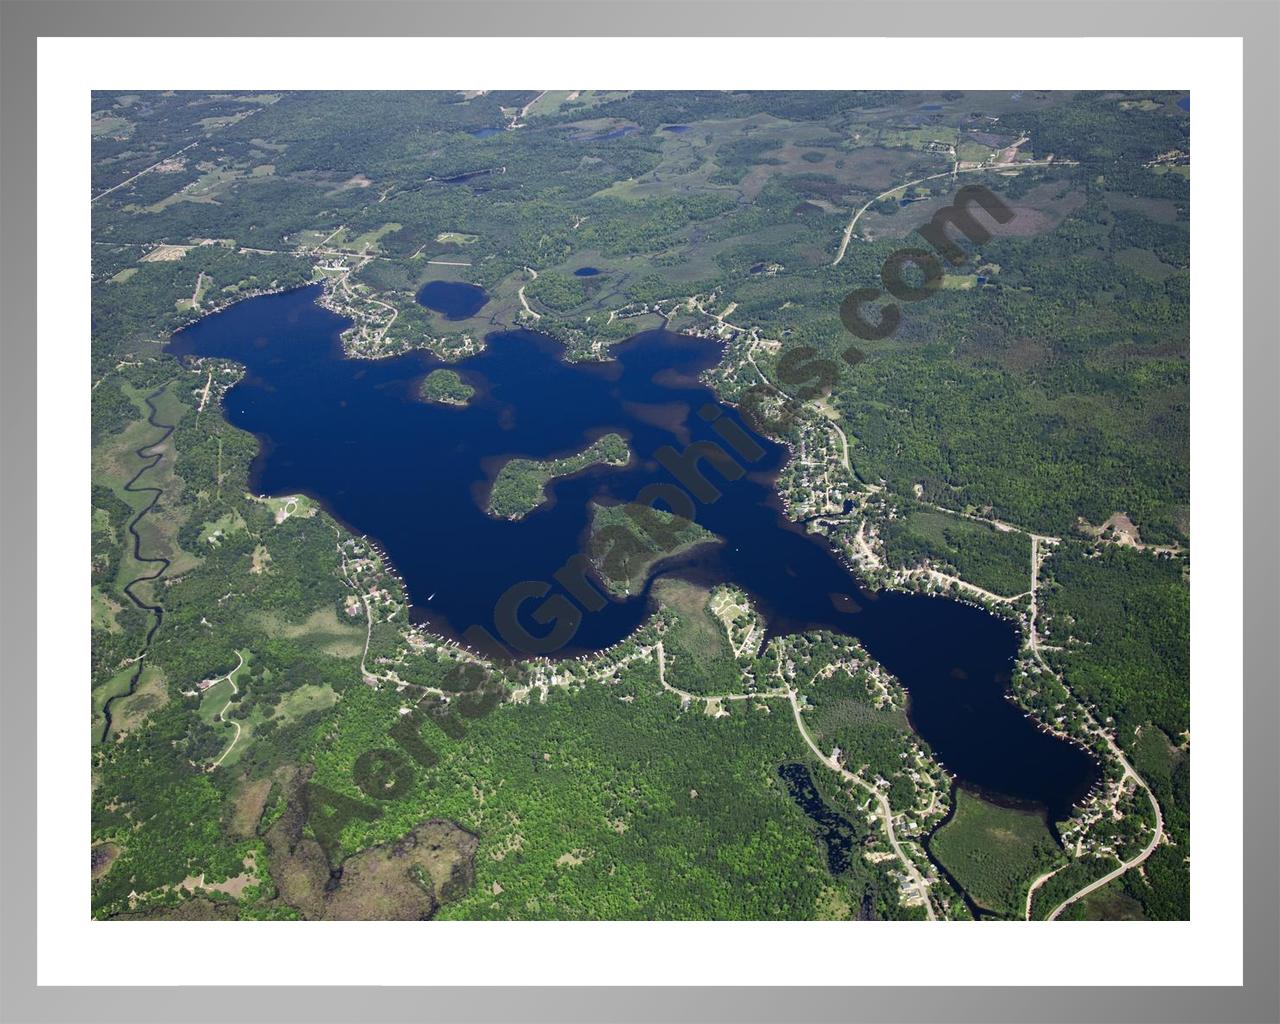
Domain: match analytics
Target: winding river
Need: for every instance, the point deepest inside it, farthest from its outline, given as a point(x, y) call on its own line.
point(151, 459)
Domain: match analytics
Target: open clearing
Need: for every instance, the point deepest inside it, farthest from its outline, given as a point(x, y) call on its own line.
point(994, 851)
point(322, 627)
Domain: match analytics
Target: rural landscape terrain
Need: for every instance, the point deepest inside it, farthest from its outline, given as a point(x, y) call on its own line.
point(290, 718)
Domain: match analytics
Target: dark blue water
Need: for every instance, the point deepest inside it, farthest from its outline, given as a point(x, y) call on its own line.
point(586, 272)
point(484, 133)
point(457, 300)
point(414, 476)
point(1185, 103)
point(834, 830)
point(679, 129)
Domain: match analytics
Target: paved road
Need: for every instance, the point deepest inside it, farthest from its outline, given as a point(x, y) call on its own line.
point(886, 812)
point(1033, 641)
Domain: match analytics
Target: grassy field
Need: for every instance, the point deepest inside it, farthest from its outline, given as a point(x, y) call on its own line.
point(995, 852)
point(1112, 903)
point(130, 712)
point(115, 686)
point(973, 152)
point(304, 700)
point(366, 241)
point(225, 525)
point(321, 628)
point(104, 612)
point(699, 658)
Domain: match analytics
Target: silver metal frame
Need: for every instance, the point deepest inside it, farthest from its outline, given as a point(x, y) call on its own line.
point(21, 23)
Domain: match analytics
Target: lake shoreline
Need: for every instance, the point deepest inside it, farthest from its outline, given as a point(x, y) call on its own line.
point(346, 431)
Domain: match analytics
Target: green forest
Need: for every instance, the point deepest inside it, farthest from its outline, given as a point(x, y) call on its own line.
point(996, 560)
point(521, 484)
point(446, 387)
point(627, 540)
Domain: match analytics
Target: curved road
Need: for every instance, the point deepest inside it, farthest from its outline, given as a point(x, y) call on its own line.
point(1036, 885)
point(886, 812)
point(848, 231)
point(1149, 849)
point(1033, 642)
point(235, 691)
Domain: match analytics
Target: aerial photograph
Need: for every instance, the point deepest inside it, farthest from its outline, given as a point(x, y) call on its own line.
point(640, 505)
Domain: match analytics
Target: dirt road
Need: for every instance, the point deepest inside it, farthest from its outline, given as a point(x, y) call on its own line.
point(1031, 891)
point(525, 302)
point(107, 192)
point(222, 715)
point(848, 231)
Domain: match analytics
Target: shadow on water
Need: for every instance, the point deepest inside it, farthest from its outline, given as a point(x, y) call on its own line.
point(414, 476)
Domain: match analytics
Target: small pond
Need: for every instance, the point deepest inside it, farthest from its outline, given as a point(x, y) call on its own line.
point(456, 300)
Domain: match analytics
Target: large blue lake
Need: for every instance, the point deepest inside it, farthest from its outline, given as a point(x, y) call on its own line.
point(414, 476)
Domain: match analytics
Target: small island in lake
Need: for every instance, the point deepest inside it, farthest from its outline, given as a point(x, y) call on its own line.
point(628, 540)
point(446, 388)
point(520, 485)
